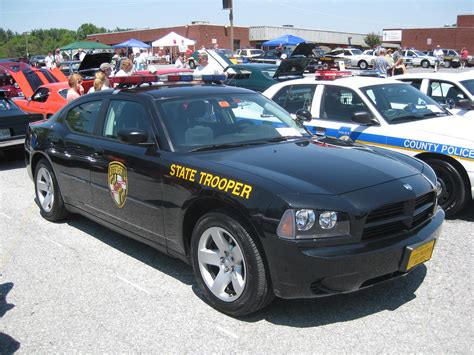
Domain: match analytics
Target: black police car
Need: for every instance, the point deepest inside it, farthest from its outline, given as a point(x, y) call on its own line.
point(226, 180)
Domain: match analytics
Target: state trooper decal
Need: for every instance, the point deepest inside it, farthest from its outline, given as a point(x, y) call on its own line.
point(118, 183)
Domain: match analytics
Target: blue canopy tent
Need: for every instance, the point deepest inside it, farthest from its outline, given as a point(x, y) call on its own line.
point(286, 40)
point(132, 42)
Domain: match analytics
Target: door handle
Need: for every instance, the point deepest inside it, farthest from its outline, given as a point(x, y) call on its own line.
point(98, 152)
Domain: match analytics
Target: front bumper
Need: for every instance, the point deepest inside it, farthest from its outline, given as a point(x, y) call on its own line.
point(302, 272)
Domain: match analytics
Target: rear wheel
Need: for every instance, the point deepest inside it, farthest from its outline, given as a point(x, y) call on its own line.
point(425, 63)
point(228, 266)
point(192, 64)
point(363, 65)
point(451, 188)
point(447, 64)
point(47, 191)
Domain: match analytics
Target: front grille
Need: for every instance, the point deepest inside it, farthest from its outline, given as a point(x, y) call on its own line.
point(399, 217)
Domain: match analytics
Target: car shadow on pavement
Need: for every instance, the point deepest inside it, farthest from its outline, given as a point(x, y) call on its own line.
point(8, 345)
point(315, 312)
point(467, 214)
point(173, 267)
point(10, 162)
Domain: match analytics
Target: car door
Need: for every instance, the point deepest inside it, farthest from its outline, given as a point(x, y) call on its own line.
point(126, 178)
point(295, 97)
point(334, 112)
point(72, 149)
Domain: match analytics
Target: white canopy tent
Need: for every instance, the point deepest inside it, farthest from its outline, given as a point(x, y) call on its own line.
point(173, 39)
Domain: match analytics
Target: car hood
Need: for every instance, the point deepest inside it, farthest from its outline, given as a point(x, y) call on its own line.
point(304, 49)
point(291, 67)
point(310, 166)
point(94, 60)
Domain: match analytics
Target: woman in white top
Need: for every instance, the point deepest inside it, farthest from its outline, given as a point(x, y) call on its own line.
point(126, 68)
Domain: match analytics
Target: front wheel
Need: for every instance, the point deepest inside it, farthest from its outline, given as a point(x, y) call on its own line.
point(48, 194)
point(425, 64)
point(228, 265)
point(363, 65)
point(447, 64)
point(451, 188)
point(192, 64)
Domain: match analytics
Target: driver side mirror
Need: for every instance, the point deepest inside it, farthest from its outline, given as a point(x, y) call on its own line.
point(303, 115)
point(364, 118)
point(132, 135)
point(464, 103)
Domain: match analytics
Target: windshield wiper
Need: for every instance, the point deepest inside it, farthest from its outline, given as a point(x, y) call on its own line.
point(224, 146)
point(435, 114)
point(284, 138)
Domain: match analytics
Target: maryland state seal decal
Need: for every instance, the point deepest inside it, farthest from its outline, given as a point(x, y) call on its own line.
point(118, 183)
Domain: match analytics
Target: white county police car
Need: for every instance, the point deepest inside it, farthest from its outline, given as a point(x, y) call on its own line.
point(456, 90)
point(391, 114)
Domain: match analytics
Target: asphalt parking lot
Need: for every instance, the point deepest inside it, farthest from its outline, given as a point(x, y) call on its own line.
point(77, 287)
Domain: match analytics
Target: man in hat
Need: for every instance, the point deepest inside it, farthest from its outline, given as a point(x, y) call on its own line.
point(106, 68)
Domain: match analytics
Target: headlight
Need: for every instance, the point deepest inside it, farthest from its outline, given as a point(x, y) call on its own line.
point(301, 224)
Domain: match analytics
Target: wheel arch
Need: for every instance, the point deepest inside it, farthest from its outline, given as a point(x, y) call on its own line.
point(452, 161)
point(37, 156)
point(207, 204)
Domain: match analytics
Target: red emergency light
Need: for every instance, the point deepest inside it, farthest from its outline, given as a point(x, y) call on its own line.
point(331, 74)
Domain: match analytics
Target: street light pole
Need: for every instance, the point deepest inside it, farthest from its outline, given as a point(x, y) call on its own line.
point(231, 20)
point(26, 39)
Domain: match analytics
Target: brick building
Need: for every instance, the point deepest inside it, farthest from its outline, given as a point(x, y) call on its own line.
point(204, 34)
point(455, 37)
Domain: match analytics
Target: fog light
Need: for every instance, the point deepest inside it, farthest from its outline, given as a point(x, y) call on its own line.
point(328, 219)
point(304, 219)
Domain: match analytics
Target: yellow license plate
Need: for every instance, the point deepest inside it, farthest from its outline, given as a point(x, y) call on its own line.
point(420, 254)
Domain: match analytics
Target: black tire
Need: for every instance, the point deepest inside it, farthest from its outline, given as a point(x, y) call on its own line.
point(326, 66)
point(255, 292)
point(425, 63)
point(192, 64)
point(47, 185)
point(453, 193)
point(447, 64)
point(363, 65)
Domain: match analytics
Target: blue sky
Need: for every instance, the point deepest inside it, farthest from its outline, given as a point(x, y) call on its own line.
point(358, 16)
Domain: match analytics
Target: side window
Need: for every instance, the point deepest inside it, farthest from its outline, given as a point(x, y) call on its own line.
point(440, 91)
point(340, 103)
point(41, 95)
point(126, 114)
point(82, 118)
point(292, 98)
point(347, 53)
point(410, 54)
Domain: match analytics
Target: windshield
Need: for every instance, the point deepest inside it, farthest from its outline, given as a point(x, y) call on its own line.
point(469, 85)
point(226, 121)
point(356, 52)
point(420, 54)
point(399, 103)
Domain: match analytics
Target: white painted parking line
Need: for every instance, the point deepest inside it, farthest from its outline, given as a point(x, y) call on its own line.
point(4, 215)
point(132, 284)
point(226, 332)
point(52, 241)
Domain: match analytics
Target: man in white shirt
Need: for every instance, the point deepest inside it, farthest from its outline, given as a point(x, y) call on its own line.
point(439, 55)
point(82, 54)
point(48, 60)
point(204, 67)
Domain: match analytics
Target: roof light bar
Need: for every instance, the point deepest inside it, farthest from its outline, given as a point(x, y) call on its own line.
point(154, 79)
point(331, 74)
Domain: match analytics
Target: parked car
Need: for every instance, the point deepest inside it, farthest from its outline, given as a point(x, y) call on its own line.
point(356, 56)
point(418, 58)
point(248, 52)
point(13, 124)
point(224, 179)
point(38, 61)
point(301, 50)
point(451, 58)
point(454, 90)
point(386, 112)
point(259, 77)
point(322, 60)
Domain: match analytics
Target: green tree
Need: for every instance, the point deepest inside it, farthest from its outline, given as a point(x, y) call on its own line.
point(87, 29)
point(373, 40)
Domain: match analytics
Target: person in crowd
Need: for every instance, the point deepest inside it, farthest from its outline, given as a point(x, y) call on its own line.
point(282, 57)
point(49, 60)
point(75, 87)
point(57, 57)
point(381, 65)
point(138, 60)
point(126, 68)
point(464, 55)
point(204, 67)
point(106, 68)
point(279, 50)
point(389, 59)
point(398, 62)
point(180, 63)
point(439, 55)
point(100, 83)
